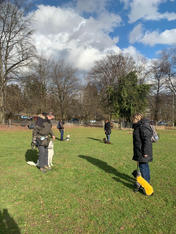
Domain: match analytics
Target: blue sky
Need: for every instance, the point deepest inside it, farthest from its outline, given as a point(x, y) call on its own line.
point(83, 31)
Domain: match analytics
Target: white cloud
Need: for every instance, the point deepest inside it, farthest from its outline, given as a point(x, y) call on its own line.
point(166, 37)
point(135, 54)
point(136, 34)
point(62, 32)
point(48, 19)
point(84, 58)
point(91, 6)
point(148, 10)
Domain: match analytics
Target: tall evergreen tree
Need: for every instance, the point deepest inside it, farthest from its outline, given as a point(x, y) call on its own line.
point(131, 96)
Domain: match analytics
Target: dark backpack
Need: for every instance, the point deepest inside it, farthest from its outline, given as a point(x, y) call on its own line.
point(59, 125)
point(155, 136)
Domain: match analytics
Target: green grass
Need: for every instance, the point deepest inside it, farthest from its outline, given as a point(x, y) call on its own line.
point(90, 188)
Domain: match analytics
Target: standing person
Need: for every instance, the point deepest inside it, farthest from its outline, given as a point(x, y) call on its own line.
point(42, 132)
point(60, 126)
point(142, 145)
point(107, 129)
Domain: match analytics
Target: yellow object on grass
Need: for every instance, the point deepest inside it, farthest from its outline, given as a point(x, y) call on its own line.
point(147, 187)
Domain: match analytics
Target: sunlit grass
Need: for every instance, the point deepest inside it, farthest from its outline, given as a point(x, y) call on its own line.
point(90, 189)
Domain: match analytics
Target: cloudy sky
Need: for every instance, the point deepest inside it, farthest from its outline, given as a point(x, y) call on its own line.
point(83, 31)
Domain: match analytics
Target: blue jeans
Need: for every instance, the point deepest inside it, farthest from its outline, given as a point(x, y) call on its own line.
point(145, 171)
point(62, 134)
point(108, 138)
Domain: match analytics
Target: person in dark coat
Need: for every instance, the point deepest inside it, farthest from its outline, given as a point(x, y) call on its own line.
point(42, 133)
point(107, 129)
point(60, 126)
point(142, 144)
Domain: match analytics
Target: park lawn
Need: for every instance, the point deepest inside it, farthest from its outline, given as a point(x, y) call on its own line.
point(89, 189)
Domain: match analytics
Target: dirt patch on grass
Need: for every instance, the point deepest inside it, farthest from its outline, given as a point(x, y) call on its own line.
point(4, 127)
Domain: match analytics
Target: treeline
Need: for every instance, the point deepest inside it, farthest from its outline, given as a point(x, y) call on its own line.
point(116, 87)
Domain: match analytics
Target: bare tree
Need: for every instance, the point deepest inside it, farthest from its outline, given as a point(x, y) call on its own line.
point(108, 70)
point(35, 95)
point(16, 48)
point(64, 86)
point(158, 87)
point(107, 74)
point(35, 85)
point(169, 67)
point(14, 99)
point(168, 58)
point(90, 102)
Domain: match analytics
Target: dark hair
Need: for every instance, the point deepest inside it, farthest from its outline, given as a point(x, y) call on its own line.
point(152, 122)
point(44, 114)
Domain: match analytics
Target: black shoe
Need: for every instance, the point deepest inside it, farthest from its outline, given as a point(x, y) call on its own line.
point(136, 187)
point(135, 190)
point(142, 190)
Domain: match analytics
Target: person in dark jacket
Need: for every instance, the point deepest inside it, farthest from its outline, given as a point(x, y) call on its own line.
point(60, 126)
point(142, 144)
point(42, 133)
point(107, 129)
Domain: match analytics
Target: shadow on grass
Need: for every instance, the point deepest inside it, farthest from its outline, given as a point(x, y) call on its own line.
point(57, 138)
point(95, 139)
point(108, 169)
point(31, 155)
point(129, 185)
point(7, 223)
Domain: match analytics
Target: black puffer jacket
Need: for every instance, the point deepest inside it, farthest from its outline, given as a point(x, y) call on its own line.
point(107, 128)
point(142, 144)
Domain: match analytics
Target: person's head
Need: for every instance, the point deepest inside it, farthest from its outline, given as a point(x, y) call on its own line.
point(152, 122)
point(137, 117)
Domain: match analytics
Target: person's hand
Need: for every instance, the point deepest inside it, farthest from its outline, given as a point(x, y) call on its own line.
point(54, 137)
point(145, 155)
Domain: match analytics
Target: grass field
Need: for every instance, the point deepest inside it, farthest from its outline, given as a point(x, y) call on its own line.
point(90, 188)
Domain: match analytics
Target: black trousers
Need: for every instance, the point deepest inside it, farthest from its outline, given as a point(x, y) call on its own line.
point(43, 156)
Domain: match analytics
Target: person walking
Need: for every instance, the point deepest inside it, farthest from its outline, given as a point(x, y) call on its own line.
point(142, 145)
point(42, 133)
point(60, 126)
point(107, 129)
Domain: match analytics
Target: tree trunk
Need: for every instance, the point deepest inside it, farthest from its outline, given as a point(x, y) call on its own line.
point(157, 104)
point(2, 110)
